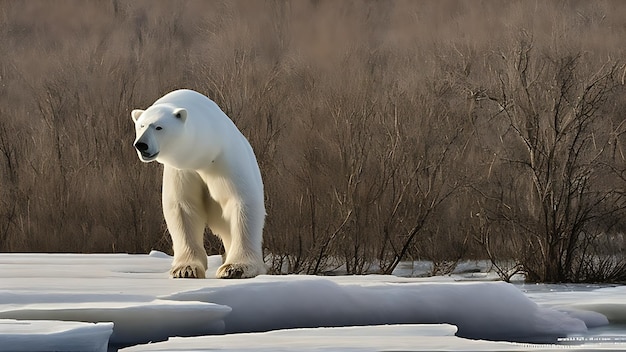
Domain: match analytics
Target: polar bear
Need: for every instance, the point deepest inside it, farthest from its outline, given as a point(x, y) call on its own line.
point(210, 177)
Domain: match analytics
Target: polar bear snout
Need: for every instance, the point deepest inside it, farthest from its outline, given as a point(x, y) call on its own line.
point(142, 147)
point(146, 154)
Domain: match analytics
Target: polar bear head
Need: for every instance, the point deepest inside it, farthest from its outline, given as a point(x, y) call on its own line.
point(160, 131)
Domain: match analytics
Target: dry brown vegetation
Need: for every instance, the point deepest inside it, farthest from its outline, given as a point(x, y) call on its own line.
point(385, 130)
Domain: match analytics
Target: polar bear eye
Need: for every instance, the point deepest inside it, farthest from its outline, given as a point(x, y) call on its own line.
point(158, 128)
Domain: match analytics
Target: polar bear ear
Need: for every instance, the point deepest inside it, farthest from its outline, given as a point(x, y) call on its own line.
point(135, 114)
point(180, 114)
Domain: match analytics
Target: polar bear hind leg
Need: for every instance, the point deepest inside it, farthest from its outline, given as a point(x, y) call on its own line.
point(243, 254)
point(184, 199)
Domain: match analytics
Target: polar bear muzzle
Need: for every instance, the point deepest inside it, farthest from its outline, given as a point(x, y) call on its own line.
point(144, 151)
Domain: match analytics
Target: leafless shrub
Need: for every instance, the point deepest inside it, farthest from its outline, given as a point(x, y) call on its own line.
point(550, 112)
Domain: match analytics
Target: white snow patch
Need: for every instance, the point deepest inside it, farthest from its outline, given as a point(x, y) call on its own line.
point(137, 295)
point(608, 301)
point(495, 311)
point(362, 339)
point(135, 321)
point(23, 335)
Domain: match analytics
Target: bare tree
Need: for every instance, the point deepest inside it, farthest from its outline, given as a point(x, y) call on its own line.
point(554, 137)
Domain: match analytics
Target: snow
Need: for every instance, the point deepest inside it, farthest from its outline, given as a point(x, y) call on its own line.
point(42, 335)
point(135, 321)
point(54, 300)
point(608, 301)
point(363, 339)
point(479, 310)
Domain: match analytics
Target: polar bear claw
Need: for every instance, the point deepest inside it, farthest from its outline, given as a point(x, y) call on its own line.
point(239, 271)
point(187, 272)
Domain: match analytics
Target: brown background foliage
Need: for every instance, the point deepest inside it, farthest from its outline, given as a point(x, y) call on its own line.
point(385, 130)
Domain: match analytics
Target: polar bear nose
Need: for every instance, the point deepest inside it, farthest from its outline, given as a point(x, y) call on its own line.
point(141, 146)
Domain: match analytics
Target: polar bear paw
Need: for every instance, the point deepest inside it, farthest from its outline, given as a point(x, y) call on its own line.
point(237, 271)
point(187, 271)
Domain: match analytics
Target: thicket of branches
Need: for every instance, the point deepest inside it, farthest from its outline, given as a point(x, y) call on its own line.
point(385, 131)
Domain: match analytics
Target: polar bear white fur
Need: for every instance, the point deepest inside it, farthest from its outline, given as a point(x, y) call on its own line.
point(210, 177)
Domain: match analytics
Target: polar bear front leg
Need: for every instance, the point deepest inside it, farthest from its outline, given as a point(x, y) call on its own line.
point(243, 243)
point(183, 199)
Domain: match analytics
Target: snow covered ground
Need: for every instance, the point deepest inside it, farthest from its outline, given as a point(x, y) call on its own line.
point(75, 302)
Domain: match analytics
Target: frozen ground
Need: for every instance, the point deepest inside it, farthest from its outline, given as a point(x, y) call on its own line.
point(68, 302)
